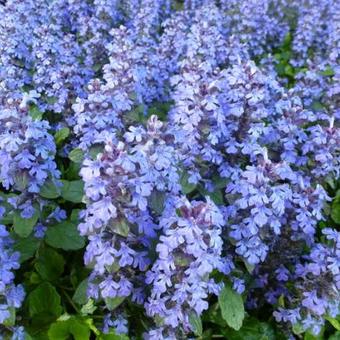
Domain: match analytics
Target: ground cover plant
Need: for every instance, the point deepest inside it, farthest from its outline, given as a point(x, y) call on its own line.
point(169, 169)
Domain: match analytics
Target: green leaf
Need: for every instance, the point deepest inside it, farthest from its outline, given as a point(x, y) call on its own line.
point(95, 150)
point(112, 336)
point(88, 308)
point(21, 181)
point(252, 329)
point(297, 329)
point(232, 308)
point(72, 171)
point(44, 303)
point(309, 336)
point(76, 155)
point(50, 264)
point(26, 247)
point(113, 303)
point(75, 215)
point(160, 110)
point(137, 114)
point(59, 331)
point(214, 316)
point(24, 226)
point(216, 196)
point(196, 323)
point(156, 201)
point(316, 105)
point(35, 113)
point(64, 236)
point(61, 135)
point(289, 71)
point(10, 321)
point(80, 330)
point(35, 278)
point(187, 187)
point(335, 336)
point(50, 190)
point(80, 295)
point(335, 212)
point(281, 301)
point(250, 267)
point(334, 322)
point(62, 330)
point(220, 182)
point(72, 191)
point(328, 72)
point(121, 227)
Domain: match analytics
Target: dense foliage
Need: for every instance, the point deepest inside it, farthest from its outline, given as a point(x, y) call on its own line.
point(169, 170)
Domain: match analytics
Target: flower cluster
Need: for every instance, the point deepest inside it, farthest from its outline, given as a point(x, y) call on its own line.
point(27, 149)
point(203, 166)
point(315, 293)
point(189, 249)
point(42, 53)
point(121, 184)
point(11, 295)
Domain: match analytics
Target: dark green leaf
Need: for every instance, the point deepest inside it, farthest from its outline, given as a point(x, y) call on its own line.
point(187, 187)
point(121, 227)
point(35, 113)
point(309, 336)
point(73, 191)
point(232, 308)
point(219, 182)
point(77, 328)
point(252, 329)
point(112, 336)
point(214, 316)
point(216, 196)
point(24, 226)
point(335, 213)
point(317, 106)
point(75, 215)
point(64, 236)
point(80, 295)
point(156, 201)
point(44, 301)
point(113, 303)
point(72, 172)
point(335, 336)
point(50, 264)
point(334, 322)
point(50, 190)
point(26, 247)
point(61, 135)
point(95, 150)
point(76, 155)
point(59, 331)
point(250, 267)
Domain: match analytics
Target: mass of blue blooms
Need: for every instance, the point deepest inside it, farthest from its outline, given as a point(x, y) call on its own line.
point(203, 140)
